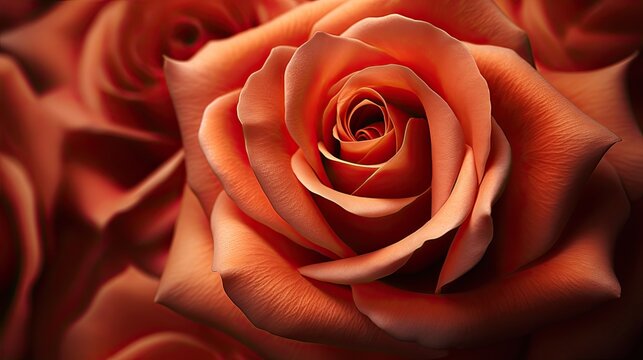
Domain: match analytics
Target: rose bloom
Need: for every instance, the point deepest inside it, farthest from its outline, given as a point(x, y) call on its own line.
point(86, 111)
point(397, 177)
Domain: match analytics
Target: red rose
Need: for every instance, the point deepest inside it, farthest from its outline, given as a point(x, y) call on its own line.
point(373, 158)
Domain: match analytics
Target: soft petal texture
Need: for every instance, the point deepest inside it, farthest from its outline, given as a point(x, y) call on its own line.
point(124, 322)
point(189, 287)
point(574, 277)
point(49, 46)
point(259, 272)
point(208, 75)
point(579, 35)
point(377, 264)
point(476, 21)
point(473, 237)
point(613, 330)
point(554, 149)
point(20, 255)
point(602, 94)
point(269, 147)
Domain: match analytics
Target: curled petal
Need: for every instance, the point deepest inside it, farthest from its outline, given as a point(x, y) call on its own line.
point(269, 147)
point(259, 272)
point(377, 264)
point(554, 148)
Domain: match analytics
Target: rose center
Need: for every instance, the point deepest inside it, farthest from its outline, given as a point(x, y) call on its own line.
point(367, 121)
point(186, 32)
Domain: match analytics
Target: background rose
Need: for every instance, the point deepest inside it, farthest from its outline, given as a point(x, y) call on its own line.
point(95, 130)
point(20, 254)
point(555, 148)
point(579, 35)
point(124, 323)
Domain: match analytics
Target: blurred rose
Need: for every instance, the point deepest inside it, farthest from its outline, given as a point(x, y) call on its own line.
point(20, 255)
point(123, 322)
point(359, 160)
point(93, 124)
point(579, 35)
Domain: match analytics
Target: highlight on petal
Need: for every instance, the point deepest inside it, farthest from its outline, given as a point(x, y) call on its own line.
point(476, 21)
point(20, 255)
point(554, 147)
point(259, 272)
point(221, 138)
point(269, 148)
point(383, 262)
point(602, 94)
point(573, 278)
point(475, 235)
point(189, 287)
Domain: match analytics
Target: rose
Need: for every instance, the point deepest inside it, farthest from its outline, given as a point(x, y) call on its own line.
point(123, 322)
point(281, 164)
point(20, 254)
point(98, 135)
point(579, 35)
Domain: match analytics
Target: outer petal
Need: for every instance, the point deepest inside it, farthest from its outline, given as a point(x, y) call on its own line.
point(463, 89)
point(124, 322)
point(602, 94)
point(221, 138)
point(189, 287)
point(576, 276)
point(20, 246)
point(476, 21)
point(613, 330)
point(269, 147)
point(258, 268)
point(554, 149)
point(194, 83)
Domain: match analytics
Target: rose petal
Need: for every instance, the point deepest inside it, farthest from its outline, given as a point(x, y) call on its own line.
point(473, 237)
point(554, 146)
point(362, 206)
point(613, 330)
point(385, 261)
point(602, 94)
point(474, 21)
point(194, 83)
point(189, 287)
point(258, 268)
point(221, 138)
point(269, 147)
point(309, 75)
point(575, 277)
point(453, 74)
point(20, 244)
